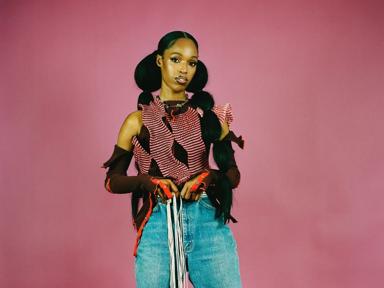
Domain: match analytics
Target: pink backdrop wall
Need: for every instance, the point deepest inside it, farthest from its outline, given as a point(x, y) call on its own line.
point(305, 79)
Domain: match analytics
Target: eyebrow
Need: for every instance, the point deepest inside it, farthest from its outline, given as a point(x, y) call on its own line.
point(182, 54)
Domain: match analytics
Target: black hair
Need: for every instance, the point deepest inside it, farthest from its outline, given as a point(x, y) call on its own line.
point(148, 78)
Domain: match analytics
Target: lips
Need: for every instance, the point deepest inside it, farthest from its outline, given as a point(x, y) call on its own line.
point(181, 79)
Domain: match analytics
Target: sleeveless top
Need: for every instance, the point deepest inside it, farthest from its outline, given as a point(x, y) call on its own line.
point(170, 143)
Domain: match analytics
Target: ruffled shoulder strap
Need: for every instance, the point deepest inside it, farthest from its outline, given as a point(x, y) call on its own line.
point(224, 113)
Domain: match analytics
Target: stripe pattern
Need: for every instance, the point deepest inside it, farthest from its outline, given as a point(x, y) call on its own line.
point(224, 113)
point(185, 130)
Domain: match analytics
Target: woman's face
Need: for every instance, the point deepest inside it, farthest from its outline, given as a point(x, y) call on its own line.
point(178, 64)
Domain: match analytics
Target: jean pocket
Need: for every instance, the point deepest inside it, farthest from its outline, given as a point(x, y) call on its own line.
point(206, 202)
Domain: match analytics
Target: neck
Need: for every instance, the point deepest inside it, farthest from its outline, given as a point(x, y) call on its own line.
point(167, 94)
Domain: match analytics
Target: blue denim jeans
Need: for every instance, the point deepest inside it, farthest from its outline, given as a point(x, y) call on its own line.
point(209, 246)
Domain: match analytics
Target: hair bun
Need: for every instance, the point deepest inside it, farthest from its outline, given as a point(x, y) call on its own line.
point(148, 74)
point(145, 98)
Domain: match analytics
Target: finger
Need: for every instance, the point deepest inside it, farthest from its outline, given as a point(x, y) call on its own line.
point(173, 186)
point(170, 186)
point(192, 190)
point(188, 192)
point(161, 191)
point(182, 193)
point(165, 188)
point(197, 196)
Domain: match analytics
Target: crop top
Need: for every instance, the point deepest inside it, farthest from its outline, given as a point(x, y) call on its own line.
point(171, 145)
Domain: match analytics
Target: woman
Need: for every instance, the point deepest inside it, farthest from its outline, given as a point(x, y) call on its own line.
point(170, 136)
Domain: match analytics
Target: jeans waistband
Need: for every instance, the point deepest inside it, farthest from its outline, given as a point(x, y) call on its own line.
point(203, 194)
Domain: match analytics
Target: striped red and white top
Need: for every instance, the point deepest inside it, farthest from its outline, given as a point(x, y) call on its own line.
point(170, 134)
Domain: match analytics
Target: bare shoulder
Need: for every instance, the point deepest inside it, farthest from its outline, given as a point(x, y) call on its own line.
point(131, 127)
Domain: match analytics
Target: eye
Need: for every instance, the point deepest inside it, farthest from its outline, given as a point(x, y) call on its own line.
point(175, 59)
point(193, 64)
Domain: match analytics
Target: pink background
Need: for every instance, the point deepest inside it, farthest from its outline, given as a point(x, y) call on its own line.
point(305, 79)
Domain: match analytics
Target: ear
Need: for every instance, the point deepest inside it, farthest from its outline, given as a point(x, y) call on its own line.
point(159, 60)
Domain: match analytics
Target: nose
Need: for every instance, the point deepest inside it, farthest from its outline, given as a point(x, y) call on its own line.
point(183, 67)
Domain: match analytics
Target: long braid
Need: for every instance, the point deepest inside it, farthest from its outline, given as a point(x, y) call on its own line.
point(222, 195)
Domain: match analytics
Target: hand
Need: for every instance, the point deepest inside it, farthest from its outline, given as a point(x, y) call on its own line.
point(192, 188)
point(165, 188)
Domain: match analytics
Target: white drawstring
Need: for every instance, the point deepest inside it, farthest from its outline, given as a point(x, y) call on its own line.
point(170, 244)
point(175, 243)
